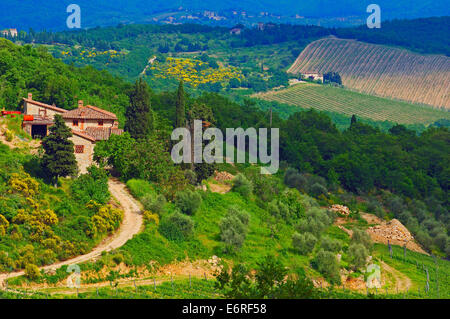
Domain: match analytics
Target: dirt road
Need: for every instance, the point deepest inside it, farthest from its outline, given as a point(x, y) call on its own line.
point(402, 282)
point(131, 225)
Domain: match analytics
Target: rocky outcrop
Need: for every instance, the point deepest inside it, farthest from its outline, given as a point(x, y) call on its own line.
point(223, 176)
point(340, 209)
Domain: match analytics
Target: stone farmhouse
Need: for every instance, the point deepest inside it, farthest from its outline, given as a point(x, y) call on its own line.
point(312, 76)
point(88, 123)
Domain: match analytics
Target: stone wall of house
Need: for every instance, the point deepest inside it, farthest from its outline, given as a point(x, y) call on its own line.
point(85, 159)
point(88, 123)
point(32, 109)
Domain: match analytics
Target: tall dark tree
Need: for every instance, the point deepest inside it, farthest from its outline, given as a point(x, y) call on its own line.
point(180, 116)
point(139, 116)
point(201, 111)
point(353, 120)
point(59, 158)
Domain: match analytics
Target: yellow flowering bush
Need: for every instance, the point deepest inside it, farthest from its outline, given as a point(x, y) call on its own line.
point(107, 218)
point(23, 183)
point(193, 71)
point(3, 225)
point(150, 217)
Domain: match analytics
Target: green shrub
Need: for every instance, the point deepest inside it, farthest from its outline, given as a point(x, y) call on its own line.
point(279, 210)
point(358, 255)
point(9, 135)
point(294, 201)
point(424, 239)
point(138, 187)
point(395, 204)
point(360, 236)
point(327, 264)
point(233, 229)
point(315, 222)
point(91, 186)
point(329, 244)
point(441, 240)
point(32, 271)
point(177, 227)
point(304, 243)
point(317, 190)
point(191, 177)
point(188, 201)
point(118, 258)
point(243, 216)
point(242, 185)
point(293, 179)
point(266, 187)
point(153, 203)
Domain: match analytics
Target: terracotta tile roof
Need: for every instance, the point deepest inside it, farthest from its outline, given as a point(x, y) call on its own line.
point(89, 112)
point(83, 135)
point(51, 107)
point(102, 133)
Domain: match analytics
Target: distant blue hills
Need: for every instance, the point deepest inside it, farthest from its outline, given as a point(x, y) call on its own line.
point(51, 14)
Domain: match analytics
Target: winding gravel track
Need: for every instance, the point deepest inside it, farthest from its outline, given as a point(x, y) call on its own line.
point(131, 225)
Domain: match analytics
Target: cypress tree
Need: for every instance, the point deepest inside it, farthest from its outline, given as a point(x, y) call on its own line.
point(353, 120)
point(59, 158)
point(180, 117)
point(139, 116)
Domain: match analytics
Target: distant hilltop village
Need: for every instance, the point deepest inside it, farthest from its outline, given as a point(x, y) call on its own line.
point(9, 33)
point(88, 123)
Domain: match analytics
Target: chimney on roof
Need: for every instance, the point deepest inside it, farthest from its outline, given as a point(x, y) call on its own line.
point(30, 96)
point(80, 103)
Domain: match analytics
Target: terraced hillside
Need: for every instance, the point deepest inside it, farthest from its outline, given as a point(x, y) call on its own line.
point(327, 98)
point(380, 70)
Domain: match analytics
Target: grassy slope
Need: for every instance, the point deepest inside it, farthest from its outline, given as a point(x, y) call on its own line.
point(152, 246)
point(413, 266)
point(327, 98)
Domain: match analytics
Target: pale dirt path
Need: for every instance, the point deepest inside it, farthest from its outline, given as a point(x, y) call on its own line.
point(150, 62)
point(402, 282)
point(131, 225)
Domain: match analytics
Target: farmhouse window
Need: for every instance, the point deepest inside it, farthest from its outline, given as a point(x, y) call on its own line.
point(75, 122)
point(100, 123)
point(79, 149)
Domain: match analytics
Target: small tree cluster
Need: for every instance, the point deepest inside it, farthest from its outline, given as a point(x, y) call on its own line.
point(242, 185)
point(304, 243)
point(327, 264)
point(329, 244)
point(316, 221)
point(268, 281)
point(359, 248)
point(307, 183)
point(188, 201)
point(332, 77)
point(233, 228)
point(177, 227)
point(154, 203)
point(91, 186)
